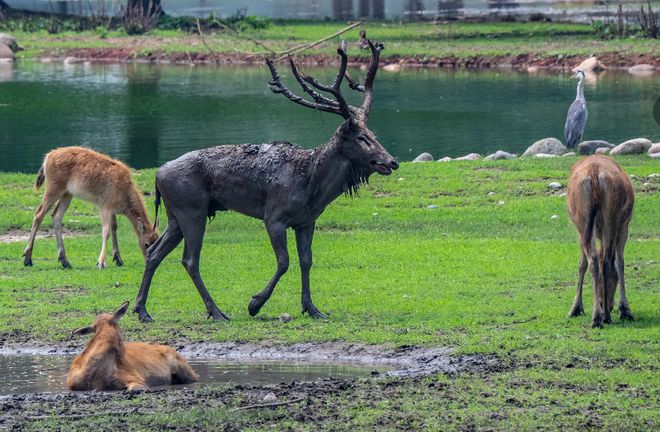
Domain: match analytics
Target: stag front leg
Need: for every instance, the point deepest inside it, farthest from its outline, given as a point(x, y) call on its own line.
point(115, 244)
point(193, 227)
point(277, 234)
point(578, 309)
point(597, 313)
point(58, 215)
point(304, 238)
point(624, 308)
point(155, 255)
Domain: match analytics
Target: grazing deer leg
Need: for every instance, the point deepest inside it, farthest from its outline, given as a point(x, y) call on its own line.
point(58, 214)
point(106, 218)
point(577, 309)
point(115, 244)
point(47, 202)
point(155, 255)
point(597, 314)
point(304, 238)
point(277, 234)
point(193, 226)
point(624, 308)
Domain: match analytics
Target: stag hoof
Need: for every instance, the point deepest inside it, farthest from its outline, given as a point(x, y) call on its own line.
point(117, 260)
point(576, 311)
point(65, 262)
point(143, 316)
point(313, 312)
point(597, 321)
point(255, 305)
point(625, 314)
point(27, 262)
point(217, 315)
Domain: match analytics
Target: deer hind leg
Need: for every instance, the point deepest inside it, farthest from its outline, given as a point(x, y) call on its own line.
point(155, 255)
point(597, 279)
point(304, 238)
point(58, 215)
point(193, 226)
point(106, 220)
point(578, 309)
point(49, 199)
point(277, 234)
point(116, 258)
point(624, 308)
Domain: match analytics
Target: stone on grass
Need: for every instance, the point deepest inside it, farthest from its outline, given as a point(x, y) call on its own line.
point(554, 185)
point(270, 398)
point(544, 155)
point(590, 147)
point(424, 157)
point(592, 64)
point(554, 217)
point(655, 156)
point(633, 146)
point(285, 317)
point(569, 154)
point(602, 150)
point(471, 156)
point(501, 154)
point(654, 175)
point(655, 148)
point(445, 159)
point(546, 146)
point(6, 53)
point(432, 207)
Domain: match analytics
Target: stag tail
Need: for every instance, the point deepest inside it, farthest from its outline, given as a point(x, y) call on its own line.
point(595, 204)
point(40, 178)
point(157, 204)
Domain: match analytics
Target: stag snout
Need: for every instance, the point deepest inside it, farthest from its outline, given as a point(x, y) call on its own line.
point(385, 168)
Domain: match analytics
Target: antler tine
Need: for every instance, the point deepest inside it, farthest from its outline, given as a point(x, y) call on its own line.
point(354, 85)
point(371, 74)
point(300, 77)
point(335, 88)
point(279, 87)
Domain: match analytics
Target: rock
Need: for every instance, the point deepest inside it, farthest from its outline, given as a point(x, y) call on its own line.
point(592, 64)
point(424, 157)
point(500, 202)
point(270, 398)
point(491, 193)
point(394, 67)
point(285, 317)
point(633, 146)
point(641, 67)
point(432, 207)
point(471, 156)
point(569, 154)
point(602, 150)
point(501, 154)
point(445, 159)
point(655, 148)
point(72, 60)
point(10, 41)
point(546, 146)
point(654, 175)
point(562, 195)
point(543, 155)
point(554, 217)
point(655, 156)
point(554, 185)
point(532, 69)
point(6, 53)
point(589, 147)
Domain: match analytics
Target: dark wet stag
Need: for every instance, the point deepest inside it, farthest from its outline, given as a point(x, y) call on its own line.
point(282, 184)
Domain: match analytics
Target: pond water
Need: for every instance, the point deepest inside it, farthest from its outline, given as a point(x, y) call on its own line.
point(149, 114)
point(47, 373)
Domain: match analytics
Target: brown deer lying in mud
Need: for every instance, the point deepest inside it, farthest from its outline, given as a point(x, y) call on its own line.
point(109, 363)
point(282, 184)
point(600, 203)
point(82, 173)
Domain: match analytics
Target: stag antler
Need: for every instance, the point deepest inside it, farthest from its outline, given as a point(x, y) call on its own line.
point(321, 102)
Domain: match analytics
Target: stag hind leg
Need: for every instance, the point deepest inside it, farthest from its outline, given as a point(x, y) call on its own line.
point(277, 234)
point(578, 309)
point(49, 199)
point(58, 215)
point(155, 255)
point(304, 238)
point(624, 308)
point(193, 225)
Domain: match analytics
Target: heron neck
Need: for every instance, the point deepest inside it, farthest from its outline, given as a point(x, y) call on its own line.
point(580, 89)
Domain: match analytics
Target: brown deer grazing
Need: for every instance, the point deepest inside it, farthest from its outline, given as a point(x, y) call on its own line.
point(109, 363)
point(282, 184)
point(82, 173)
point(600, 203)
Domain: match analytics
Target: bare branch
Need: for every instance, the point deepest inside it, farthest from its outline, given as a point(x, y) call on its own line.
point(318, 42)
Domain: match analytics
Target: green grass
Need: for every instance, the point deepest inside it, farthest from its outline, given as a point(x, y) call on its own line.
point(472, 274)
point(422, 41)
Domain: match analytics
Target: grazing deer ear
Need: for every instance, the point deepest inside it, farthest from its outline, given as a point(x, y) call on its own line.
point(120, 312)
point(82, 331)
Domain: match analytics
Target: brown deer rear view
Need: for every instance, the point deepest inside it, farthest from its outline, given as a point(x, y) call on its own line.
point(107, 363)
point(82, 173)
point(600, 203)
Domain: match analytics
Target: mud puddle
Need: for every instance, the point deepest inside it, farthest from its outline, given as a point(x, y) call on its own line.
point(25, 374)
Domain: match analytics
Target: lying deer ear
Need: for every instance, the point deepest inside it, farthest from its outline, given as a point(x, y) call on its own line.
point(82, 331)
point(120, 312)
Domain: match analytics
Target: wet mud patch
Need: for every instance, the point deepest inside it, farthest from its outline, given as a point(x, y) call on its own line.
point(19, 236)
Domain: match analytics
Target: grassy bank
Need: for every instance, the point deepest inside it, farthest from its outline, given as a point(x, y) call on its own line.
point(455, 44)
point(481, 273)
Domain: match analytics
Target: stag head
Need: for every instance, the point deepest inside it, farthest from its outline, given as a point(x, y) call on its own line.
point(357, 143)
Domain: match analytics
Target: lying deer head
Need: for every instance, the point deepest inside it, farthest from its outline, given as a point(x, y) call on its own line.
point(357, 143)
point(103, 320)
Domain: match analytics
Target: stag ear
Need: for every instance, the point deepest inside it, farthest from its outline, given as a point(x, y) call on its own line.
point(120, 312)
point(82, 331)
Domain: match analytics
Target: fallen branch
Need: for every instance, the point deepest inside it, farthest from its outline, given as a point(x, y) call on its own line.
point(270, 405)
point(301, 48)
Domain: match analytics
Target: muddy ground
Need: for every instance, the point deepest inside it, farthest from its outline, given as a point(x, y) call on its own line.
point(303, 401)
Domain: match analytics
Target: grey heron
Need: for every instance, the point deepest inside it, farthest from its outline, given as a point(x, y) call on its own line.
point(577, 114)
